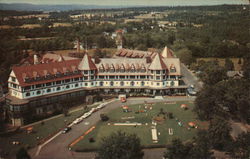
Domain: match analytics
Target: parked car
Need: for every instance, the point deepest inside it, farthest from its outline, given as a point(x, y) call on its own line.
point(65, 130)
point(76, 121)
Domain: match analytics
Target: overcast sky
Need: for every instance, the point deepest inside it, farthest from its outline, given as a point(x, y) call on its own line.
point(131, 2)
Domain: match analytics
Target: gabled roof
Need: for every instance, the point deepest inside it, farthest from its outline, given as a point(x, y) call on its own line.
point(167, 53)
point(157, 63)
point(87, 63)
point(42, 70)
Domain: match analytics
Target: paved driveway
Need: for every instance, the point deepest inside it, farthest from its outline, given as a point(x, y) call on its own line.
point(189, 78)
point(58, 148)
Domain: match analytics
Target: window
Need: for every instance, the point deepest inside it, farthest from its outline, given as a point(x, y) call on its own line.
point(76, 85)
point(92, 72)
point(85, 72)
point(101, 77)
point(48, 90)
point(58, 82)
point(158, 72)
point(38, 85)
point(48, 84)
point(132, 83)
point(86, 78)
point(67, 80)
point(67, 87)
point(142, 77)
point(101, 83)
point(172, 83)
point(111, 83)
point(111, 77)
point(158, 83)
point(122, 77)
point(76, 79)
point(14, 86)
point(27, 88)
point(172, 70)
point(158, 77)
point(152, 71)
point(38, 92)
point(132, 77)
point(86, 84)
point(142, 83)
point(58, 88)
point(13, 79)
point(122, 83)
point(27, 94)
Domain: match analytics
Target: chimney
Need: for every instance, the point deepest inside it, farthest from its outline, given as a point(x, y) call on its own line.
point(148, 59)
point(78, 46)
point(97, 60)
point(36, 61)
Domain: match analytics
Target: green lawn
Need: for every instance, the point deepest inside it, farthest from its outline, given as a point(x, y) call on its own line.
point(144, 132)
point(42, 131)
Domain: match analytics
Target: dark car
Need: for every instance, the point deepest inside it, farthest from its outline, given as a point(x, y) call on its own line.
point(65, 130)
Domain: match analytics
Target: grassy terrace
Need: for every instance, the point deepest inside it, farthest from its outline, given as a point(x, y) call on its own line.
point(144, 132)
point(41, 131)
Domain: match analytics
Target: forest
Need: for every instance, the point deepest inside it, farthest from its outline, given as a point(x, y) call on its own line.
point(224, 33)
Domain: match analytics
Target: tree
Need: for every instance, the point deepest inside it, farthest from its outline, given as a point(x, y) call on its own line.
point(246, 66)
point(201, 147)
point(185, 56)
point(241, 147)
point(22, 154)
point(205, 103)
point(213, 74)
point(177, 150)
point(229, 65)
point(120, 145)
point(104, 117)
point(219, 134)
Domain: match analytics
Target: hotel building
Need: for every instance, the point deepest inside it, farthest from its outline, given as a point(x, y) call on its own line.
point(36, 89)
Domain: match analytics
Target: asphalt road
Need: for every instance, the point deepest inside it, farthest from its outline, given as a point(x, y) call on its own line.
point(58, 148)
point(189, 78)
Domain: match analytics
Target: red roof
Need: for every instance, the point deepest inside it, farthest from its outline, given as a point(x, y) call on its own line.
point(32, 72)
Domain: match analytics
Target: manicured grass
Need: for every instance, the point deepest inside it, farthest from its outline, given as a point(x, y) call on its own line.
point(144, 132)
point(42, 131)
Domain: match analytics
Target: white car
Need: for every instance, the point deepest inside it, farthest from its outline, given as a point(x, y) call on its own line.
point(77, 121)
point(101, 106)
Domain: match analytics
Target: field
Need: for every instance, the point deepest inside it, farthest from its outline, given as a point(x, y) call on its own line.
point(144, 131)
point(30, 26)
point(221, 61)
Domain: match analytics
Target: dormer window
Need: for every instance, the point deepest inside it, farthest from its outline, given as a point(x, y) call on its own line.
point(172, 69)
point(122, 68)
point(112, 68)
point(101, 68)
point(13, 79)
point(132, 68)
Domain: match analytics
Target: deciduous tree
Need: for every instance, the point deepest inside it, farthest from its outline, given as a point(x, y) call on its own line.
point(120, 145)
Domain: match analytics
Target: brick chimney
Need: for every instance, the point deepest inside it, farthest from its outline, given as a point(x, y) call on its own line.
point(36, 61)
point(78, 45)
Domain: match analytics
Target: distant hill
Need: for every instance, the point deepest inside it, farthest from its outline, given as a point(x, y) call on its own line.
point(34, 7)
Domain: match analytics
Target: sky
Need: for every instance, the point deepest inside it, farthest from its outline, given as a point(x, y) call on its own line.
point(131, 2)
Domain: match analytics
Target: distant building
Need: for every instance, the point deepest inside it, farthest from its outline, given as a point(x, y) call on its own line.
point(235, 74)
point(36, 89)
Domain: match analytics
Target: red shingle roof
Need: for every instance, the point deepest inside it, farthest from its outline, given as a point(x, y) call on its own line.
point(46, 72)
